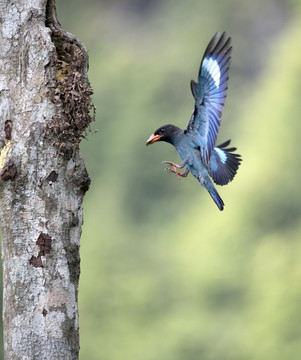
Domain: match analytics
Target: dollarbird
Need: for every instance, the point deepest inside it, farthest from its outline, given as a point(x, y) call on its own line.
point(195, 144)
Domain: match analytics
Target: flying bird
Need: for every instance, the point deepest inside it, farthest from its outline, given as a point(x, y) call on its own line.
point(195, 144)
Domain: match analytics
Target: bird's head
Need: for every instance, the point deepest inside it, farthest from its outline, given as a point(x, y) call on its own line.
point(165, 133)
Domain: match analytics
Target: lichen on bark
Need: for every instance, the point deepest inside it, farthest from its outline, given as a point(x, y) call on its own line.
point(72, 91)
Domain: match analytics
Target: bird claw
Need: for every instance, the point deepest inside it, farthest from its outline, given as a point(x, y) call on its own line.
point(180, 175)
point(174, 169)
point(169, 163)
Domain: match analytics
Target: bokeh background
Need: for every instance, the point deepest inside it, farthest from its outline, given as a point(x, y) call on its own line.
point(164, 274)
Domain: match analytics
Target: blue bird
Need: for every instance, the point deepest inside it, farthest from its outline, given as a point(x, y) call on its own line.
point(196, 144)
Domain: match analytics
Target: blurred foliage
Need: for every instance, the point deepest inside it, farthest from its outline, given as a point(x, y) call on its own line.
point(165, 275)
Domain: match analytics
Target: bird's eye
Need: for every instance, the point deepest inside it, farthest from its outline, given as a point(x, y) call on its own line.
point(162, 130)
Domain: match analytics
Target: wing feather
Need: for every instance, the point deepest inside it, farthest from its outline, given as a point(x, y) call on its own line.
point(224, 164)
point(210, 93)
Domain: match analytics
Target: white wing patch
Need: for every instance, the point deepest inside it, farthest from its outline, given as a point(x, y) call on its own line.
point(221, 154)
point(212, 67)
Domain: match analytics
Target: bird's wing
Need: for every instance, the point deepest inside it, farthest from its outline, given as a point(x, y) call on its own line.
point(224, 163)
point(210, 93)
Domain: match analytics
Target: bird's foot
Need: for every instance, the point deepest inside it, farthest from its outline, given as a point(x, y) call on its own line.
point(174, 169)
point(169, 163)
point(183, 175)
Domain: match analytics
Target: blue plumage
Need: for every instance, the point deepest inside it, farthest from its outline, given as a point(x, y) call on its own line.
point(223, 164)
point(196, 144)
point(210, 92)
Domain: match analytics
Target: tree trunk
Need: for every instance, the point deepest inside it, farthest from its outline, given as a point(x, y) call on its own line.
point(45, 109)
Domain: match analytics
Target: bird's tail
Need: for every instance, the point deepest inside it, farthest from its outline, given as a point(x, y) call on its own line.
point(213, 193)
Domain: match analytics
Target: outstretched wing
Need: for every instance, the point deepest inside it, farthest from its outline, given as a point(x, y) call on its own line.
point(210, 93)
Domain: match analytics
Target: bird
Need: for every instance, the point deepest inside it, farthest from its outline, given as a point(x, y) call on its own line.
point(195, 144)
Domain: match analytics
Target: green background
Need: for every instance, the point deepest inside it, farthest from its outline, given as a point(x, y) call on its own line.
point(165, 275)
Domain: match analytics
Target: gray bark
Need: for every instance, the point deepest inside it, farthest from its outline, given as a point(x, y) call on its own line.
point(44, 111)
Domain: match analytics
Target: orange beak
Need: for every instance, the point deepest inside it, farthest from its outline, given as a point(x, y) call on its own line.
point(152, 139)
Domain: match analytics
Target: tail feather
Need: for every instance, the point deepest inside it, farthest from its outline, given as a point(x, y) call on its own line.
point(217, 199)
point(213, 193)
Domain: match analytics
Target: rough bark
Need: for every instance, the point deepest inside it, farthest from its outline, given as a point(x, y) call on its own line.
point(44, 111)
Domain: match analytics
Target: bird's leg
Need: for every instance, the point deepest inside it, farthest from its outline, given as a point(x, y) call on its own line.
point(184, 163)
point(169, 163)
point(177, 166)
point(186, 172)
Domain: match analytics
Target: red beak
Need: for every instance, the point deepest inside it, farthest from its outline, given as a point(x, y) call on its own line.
point(152, 139)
